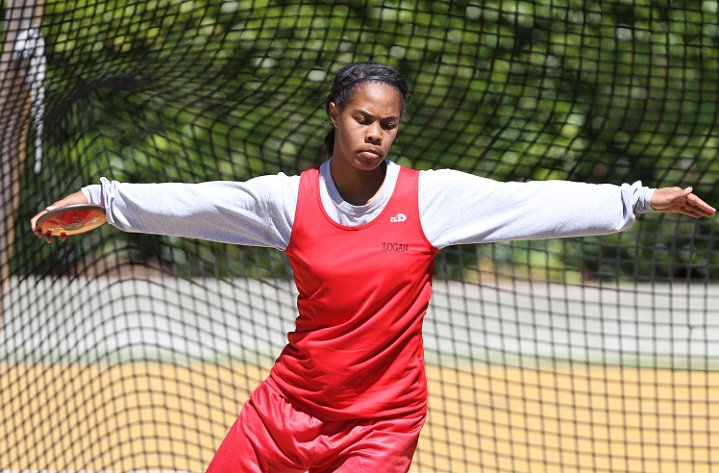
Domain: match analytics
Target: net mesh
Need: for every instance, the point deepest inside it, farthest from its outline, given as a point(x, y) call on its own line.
point(127, 352)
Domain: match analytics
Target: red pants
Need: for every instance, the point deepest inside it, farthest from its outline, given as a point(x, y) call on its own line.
point(272, 436)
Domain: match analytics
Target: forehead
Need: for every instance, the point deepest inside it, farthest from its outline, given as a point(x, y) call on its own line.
point(378, 98)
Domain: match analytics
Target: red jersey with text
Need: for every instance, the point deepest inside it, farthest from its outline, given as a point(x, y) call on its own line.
point(357, 351)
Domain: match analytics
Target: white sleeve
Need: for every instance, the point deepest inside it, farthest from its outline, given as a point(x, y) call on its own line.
point(258, 212)
point(457, 207)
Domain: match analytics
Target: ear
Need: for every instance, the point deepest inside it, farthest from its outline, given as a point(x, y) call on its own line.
point(334, 113)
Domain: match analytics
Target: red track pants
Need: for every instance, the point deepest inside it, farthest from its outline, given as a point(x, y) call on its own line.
point(271, 436)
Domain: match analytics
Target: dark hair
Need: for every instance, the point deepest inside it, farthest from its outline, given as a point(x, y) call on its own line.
point(350, 76)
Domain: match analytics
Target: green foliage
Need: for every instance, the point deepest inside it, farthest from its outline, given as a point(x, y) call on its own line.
point(598, 91)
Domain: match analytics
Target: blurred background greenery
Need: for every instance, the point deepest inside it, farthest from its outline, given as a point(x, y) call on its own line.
point(598, 91)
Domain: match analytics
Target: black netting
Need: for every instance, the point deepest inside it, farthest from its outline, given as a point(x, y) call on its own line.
point(135, 352)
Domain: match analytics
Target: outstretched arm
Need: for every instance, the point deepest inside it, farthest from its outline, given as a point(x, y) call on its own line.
point(257, 212)
point(460, 208)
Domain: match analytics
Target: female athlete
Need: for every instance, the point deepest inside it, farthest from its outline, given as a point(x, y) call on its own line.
point(348, 392)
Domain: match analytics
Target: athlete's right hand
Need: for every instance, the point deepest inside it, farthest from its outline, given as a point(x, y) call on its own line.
point(72, 199)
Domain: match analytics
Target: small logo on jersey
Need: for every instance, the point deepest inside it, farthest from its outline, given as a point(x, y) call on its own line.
point(395, 247)
point(400, 217)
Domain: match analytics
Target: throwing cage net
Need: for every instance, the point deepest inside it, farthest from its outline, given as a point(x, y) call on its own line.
point(127, 352)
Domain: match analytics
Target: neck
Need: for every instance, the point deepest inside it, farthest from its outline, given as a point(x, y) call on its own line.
point(355, 186)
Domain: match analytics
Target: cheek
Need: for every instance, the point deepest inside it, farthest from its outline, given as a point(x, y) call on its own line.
point(344, 138)
point(350, 130)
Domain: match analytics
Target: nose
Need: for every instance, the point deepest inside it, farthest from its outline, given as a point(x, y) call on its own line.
point(374, 133)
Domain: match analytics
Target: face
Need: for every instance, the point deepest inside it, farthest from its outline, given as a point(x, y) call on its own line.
point(366, 125)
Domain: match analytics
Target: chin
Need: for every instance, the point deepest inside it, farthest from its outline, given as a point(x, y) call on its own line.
point(365, 164)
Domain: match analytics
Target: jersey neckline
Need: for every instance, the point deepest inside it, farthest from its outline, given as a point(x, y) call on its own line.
point(362, 226)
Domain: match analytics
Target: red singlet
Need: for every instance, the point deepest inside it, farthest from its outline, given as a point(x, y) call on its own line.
point(357, 352)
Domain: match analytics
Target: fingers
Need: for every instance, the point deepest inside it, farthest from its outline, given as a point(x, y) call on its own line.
point(683, 201)
point(699, 206)
point(35, 229)
point(38, 230)
point(33, 221)
point(699, 209)
point(47, 236)
point(693, 207)
point(74, 198)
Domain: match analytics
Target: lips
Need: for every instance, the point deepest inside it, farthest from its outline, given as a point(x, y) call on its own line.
point(371, 153)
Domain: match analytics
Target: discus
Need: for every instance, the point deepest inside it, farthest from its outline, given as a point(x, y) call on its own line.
point(71, 220)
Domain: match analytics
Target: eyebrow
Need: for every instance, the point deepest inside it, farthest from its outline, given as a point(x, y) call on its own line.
point(368, 114)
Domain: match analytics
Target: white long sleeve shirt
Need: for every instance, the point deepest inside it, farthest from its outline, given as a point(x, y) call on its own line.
point(455, 207)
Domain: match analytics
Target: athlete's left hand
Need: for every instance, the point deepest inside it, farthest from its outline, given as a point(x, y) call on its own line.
point(683, 201)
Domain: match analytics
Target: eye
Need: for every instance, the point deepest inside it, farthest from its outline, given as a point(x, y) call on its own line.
point(361, 120)
point(390, 125)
